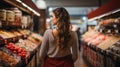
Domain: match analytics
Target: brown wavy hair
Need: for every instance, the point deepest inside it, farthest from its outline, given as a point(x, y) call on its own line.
point(63, 26)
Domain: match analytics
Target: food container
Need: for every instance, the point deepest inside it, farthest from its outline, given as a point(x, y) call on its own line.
point(18, 16)
point(24, 22)
point(10, 17)
point(28, 19)
point(2, 15)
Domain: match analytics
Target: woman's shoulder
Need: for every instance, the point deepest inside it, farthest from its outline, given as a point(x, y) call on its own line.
point(47, 31)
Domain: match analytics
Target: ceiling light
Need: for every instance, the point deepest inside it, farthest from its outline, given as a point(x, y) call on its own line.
point(41, 4)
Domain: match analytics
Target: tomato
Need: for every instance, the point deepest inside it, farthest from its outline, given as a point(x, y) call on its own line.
point(19, 50)
point(23, 56)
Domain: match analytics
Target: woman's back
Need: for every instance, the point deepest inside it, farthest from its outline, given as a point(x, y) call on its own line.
point(53, 49)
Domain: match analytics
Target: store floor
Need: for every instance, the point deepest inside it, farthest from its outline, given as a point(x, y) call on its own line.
point(80, 61)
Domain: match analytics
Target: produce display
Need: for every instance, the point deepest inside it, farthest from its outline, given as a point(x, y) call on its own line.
point(99, 39)
point(6, 60)
point(9, 52)
point(8, 34)
point(12, 54)
point(16, 33)
point(26, 44)
point(110, 26)
point(102, 49)
point(30, 44)
point(115, 49)
point(24, 32)
point(17, 50)
point(24, 47)
point(96, 39)
point(111, 40)
point(35, 38)
point(2, 35)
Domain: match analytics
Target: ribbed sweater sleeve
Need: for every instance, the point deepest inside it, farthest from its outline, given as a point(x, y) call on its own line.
point(44, 45)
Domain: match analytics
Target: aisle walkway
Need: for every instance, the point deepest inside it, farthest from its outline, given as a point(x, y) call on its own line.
point(80, 61)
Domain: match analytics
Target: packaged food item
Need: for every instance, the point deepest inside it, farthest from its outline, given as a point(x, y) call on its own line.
point(18, 16)
point(10, 17)
point(2, 15)
point(24, 22)
point(28, 19)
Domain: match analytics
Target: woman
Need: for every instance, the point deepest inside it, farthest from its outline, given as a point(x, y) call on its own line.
point(57, 43)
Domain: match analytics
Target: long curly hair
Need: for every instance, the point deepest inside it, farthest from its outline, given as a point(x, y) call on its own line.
point(63, 26)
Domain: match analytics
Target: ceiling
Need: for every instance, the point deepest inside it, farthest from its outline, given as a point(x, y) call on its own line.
point(77, 11)
point(74, 7)
point(74, 3)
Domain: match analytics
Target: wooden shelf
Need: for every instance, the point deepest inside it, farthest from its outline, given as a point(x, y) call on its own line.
point(13, 3)
point(106, 10)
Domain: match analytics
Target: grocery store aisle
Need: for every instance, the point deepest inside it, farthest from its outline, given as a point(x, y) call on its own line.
point(80, 61)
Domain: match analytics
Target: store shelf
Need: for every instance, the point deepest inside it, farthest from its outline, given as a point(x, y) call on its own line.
point(101, 55)
point(17, 42)
point(105, 53)
point(21, 5)
point(112, 7)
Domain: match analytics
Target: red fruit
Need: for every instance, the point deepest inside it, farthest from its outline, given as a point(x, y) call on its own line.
point(24, 53)
point(16, 48)
point(10, 45)
point(12, 48)
point(23, 56)
point(19, 50)
point(23, 50)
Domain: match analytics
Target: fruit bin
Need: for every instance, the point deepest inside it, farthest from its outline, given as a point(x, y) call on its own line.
point(93, 55)
point(11, 54)
point(112, 60)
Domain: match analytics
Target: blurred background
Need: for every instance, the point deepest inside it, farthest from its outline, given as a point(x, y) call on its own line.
point(78, 10)
point(23, 23)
